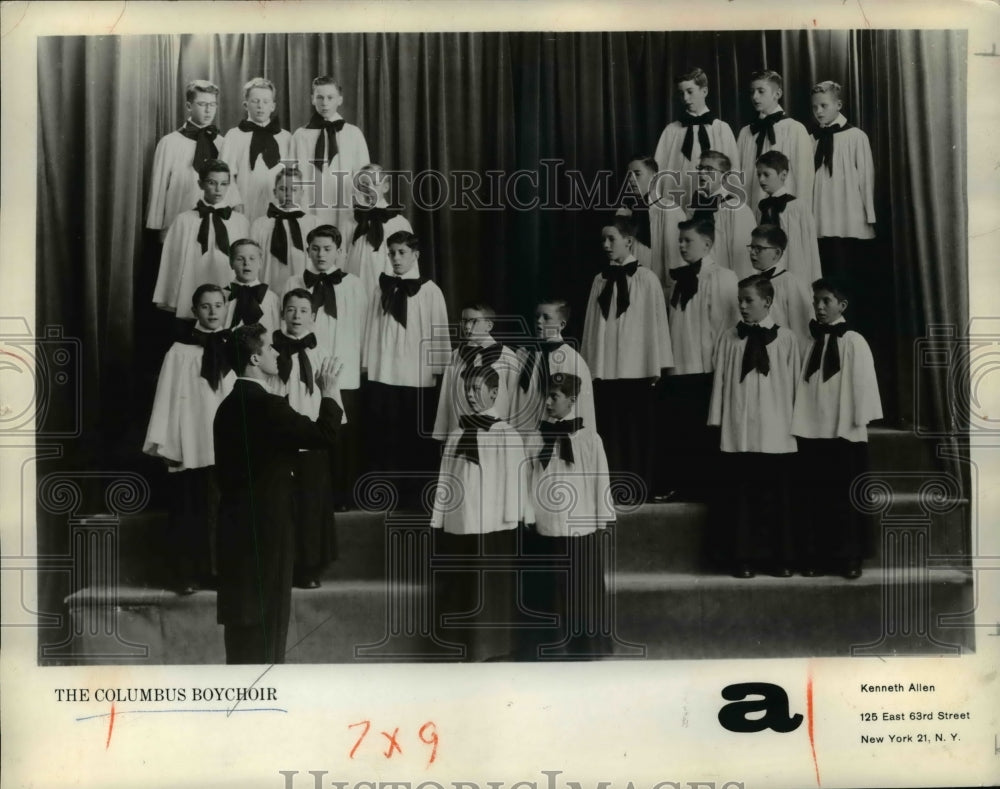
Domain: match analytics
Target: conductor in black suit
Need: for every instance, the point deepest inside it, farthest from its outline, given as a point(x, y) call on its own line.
point(257, 435)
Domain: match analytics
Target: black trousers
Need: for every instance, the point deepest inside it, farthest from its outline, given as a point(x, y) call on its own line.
point(315, 536)
point(256, 644)
point(193, 521)
point(625, 410)
point(688, 447)
point(348, 456)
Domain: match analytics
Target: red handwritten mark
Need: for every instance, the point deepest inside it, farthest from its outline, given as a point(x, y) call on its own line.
point(367, 725)
point(433, 741)
point(111, 726)
point(8, 353)
point(809, 717)
point(393, 745)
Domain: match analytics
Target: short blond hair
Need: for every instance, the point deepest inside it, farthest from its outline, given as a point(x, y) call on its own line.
point(259, 82)
point(197, 86)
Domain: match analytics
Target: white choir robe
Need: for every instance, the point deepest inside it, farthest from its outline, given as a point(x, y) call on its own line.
point(255, 185)
point(844, 200)
point(413, 355)
point(671, 159)
point(352, 155)
point(341, 337)
point(367, 263)
point(665, 214)
point(793, 140)
point(792, 305)
point(273, 271)
point(734, 224)
point(270, 307)
point(183, 267)
point(528, 407)
point(554, 510)
point(184, 406)
point(636, 344)
point(488, 496)
point(756, 414)
point(173, 186)
point(453, 403)
point(843, 406)
point(295, 390)
point(801, 256)
point(695, 330)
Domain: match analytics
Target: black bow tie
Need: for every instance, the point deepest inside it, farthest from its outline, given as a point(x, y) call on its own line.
point(705, 206)
point(755, 354)
point(262, 143)
point(395, 293)
point(488, 356)
point(764, 129)
point(248, 299)
point(370, 224)
point(690, 122)
point(286, 346)
point(216, 215)
point(538, 354)
point(323, 288)
point(772, 273)
point(616, 276)
point(326, 142)
point(468, 442)
point(831, 359)
point(771, 208)
point(215, 358)
point(824, 145)
point(204, 143)
point(279, 238)
point(685, 284)
point(558, 433)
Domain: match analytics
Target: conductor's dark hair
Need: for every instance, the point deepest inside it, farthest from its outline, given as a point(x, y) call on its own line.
point(561, 305)
point(325, 231)
point(703, 227)
point(201, 290)
point(297, 293)
point(695, 75)
point(776, 160)
point(212, 166)
point(404, 237)
point(485, 374)
point(247, 341)
point(567, 383)
point(759, 283)
point(834, 285)
point(772, 234)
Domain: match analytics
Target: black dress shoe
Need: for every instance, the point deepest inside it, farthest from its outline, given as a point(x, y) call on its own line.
point(187, 588)
point(664, 498)
point(340, 507)
point(811, 572)
point(781, 572)
point(744, 571)
point(852, 571)
point(307, 583)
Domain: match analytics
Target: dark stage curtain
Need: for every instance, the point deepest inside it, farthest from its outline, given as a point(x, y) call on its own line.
point(479, 102)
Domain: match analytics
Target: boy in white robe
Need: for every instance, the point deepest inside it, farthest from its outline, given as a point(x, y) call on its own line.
point(792, 305)
point(341, 313)
point(702, 306)
point(478, 349)
point(195, 377)
point(773, 130)
point(196, 249)
point(756, 367)
point(283, 232)
point(256, 149)
point(626, 344)
point(180, 155)
point(405, 350)
point(567, 455)
point(250, 300)
point(374, 222)
point(837, 396)
point(330, 150)
point(733, 219)
point(696, 131)
point(479, 504)
point(791, 214)
point(538, 361)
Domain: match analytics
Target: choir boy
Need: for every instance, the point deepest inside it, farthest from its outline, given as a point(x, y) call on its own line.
point(374, 222)
point(257, 148)
point(484, 470)
point(332, 150)
point(341, 312)
point(250, 300)
point(696, 131)
point(792, 305)
point(702, 306)
point(406, 349)
point(195, 377)
point(792, 215)
point(299, 359)
point(567, 455)
point(537, 361)
point(773, 130)
point(196, 249)
point(626, 344)
point(757, 364)
point(657, 213)
point(478, 349)
point(180, 156)
point(282, 232)
point(836, 398)
point(733, 219)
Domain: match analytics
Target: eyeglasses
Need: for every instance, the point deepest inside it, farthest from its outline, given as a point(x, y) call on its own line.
point(206, 105)
point(757, 249)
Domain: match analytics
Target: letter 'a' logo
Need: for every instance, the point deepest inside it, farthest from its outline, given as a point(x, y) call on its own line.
point(773, 703)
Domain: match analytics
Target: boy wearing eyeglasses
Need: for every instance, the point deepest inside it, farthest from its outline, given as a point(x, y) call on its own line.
point(792, 305)
point(728, 211)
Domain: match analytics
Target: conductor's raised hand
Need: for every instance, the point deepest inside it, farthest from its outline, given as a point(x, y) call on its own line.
point(328, 377)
